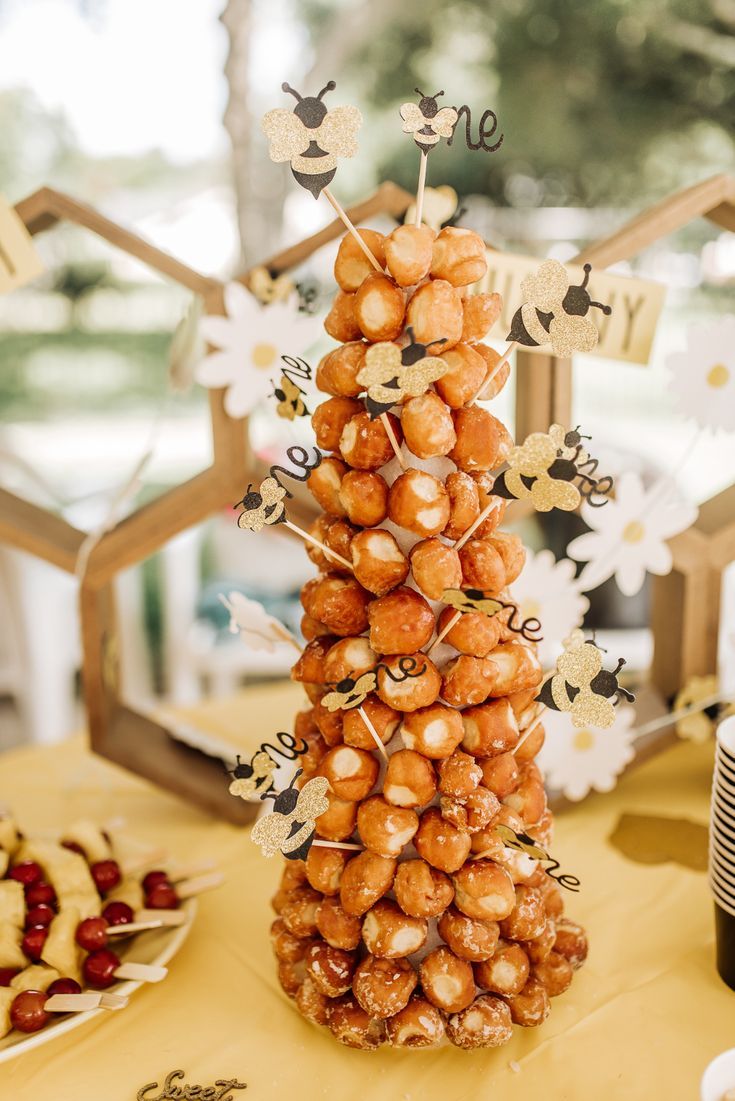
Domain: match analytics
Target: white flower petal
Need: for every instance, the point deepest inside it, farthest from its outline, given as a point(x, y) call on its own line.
point(659, 559)
point(241, 399)
point(239, 302)
point(216, 370)
point(630, 573)
point(587, 547)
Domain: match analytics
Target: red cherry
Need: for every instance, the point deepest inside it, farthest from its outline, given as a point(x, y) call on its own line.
point(26, 872)
point(100, 967)
point(73, 847)
point(6, 974)
point(91, 934)
point(33, 942)
point(118, 913)
point(152, 879)
point(162, 897)
point(27, 1013)
point(39, 915)
point(106, 875)
point(40, 894)
point(64, 986)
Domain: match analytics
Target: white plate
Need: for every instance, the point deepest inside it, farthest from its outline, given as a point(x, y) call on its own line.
point(156, 946)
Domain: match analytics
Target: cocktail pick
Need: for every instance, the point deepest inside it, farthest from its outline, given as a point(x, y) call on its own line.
point(524, 843)
point(553, 470)
point(553, 312)
point(474, 600)
point(253, 780)
point(82, 1003)
point(427, 123)
point(290, 395)
point(311, 138)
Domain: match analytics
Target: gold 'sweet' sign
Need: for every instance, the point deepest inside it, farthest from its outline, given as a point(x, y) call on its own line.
point(169, 1091)
point(626, 333)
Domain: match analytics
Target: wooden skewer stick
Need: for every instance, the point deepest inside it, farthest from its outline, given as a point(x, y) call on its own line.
point(152, 858)
point(498, 366)
point(342, 215)
point(310, 539)
point(529, 731)
point(187, 871)
point(163, 917)
point(198, 884)
point(373, 732)
point(82, 1003)
point(141, 972)
point(491, 507)
point(133, 927)
point(421, 187)
point(392, 437)
point(338, 845)
point(444, 631)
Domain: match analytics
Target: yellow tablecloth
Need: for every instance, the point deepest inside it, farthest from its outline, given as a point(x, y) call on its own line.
point(641, 1021)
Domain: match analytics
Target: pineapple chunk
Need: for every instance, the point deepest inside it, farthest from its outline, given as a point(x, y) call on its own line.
point(12, 902)
point(7, 996)
point(9, 839)
point(61, 950)
point(11, 953)
point(34, 977)
point(69, 874)
point(89, 837)
point(128, 890)
point(4, 861)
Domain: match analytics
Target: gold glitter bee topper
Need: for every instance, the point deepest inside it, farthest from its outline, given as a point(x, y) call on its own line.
point(581, 687)
point(475, 600)
point(427, 122)
point(392, 374)
point(553, 470)
point(553, 312)
point(291, 826)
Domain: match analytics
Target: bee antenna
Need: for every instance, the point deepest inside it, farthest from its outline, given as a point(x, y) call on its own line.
point(411, 337)
point(328, 87)
point(292, 91)
point(418, 91)
point(437, 94)
point(619, 666)
point(607, 310)
point(587, 270)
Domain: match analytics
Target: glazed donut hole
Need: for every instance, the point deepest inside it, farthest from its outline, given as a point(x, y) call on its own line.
point(364, 497)
point(435, 567)
point(319, 530)
point(351, 265)
point(352, 1026)
point(478, 439)
point(472, 813)
point(419, 503)
point(379, 308)
point(337, 371)
point(484, 1024)
point(339, 538)
point(329, 418)
point(378, 562)
point(348, 657)
point(299, 911)
point(458, 256)
point(510, 548)
point(351, 772)
point(285, 945)
point(409, 780)
point(324, 869)
point(543, 830)
point(480, 312)
point(495, 383)
point(528, 800)
point(439, 843)
point(459, 775)
point(446, 980)
point(490, 729)
point(433, 731)
point(311, 1003)
point(390, 934)
point(364, 443)
point(400, 622)
point(531, 1007)
point(464, 503)
point(532, 745)
point(336, 926)
point(330, 969)
point(422, 891)
point(312, 628)
point(467, 681)
point(303, 725)
point(538, 948)
point(384, 720)
point(338, 821)
point(385, 829)
point(341, 323)
point(464, 376)
point(310, 664)
point(339, 603)
point(294, 875)
point(310, 760)
point(314, 692)
point(525, 707)
point(555, 973)
point(468, 938)
point(329, 723)
point(408, 253)
point(428, 428)
point(383, 987)
point(516, 667)
point(435, 315)
point(418, 1025)
point(414, 692)
point(483, 890)
point(366, 878)
point(571, 942)
point(473, 634)
point(506, 973)
point(500, 774)
point(291, 976)
point(553, 901)
point(324, 485)
point(482, 566)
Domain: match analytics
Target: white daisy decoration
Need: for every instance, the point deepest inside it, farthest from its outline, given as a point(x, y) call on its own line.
point(577, 761)
point(257, 629)
point(629, 533)
point(547, 589)
point(250, 339)
point(703, 376)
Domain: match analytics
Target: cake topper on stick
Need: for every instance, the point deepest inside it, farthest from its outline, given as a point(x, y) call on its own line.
point(428, 123)
point(311, 137)
point(553, 470)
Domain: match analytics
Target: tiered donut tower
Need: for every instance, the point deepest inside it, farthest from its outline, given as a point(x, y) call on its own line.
point(426, 925)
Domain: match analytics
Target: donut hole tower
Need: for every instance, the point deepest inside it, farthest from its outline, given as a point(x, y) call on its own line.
point(426, 926)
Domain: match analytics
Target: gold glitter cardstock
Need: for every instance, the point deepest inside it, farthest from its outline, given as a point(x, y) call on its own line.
point(291, 826)
point(391, 374)
point(546, 468)
point(427, 122)
point(555, 312)
point(581, 687)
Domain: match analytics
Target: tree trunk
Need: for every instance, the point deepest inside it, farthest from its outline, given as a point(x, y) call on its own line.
point(236, 19)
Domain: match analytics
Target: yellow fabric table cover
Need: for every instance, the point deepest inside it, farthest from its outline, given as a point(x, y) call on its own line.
point(641, 1020)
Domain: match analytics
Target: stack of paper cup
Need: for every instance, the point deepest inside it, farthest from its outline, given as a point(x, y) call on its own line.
point(722, 849)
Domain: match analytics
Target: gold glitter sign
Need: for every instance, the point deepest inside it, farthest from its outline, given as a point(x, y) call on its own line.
point(169, 1091)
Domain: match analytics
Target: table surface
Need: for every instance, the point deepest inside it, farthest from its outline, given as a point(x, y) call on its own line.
point(641, 1020)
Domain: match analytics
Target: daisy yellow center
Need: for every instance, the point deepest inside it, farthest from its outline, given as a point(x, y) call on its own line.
point(718, 376)
point(584, 739)
point(264, 355)
point(633, 532)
